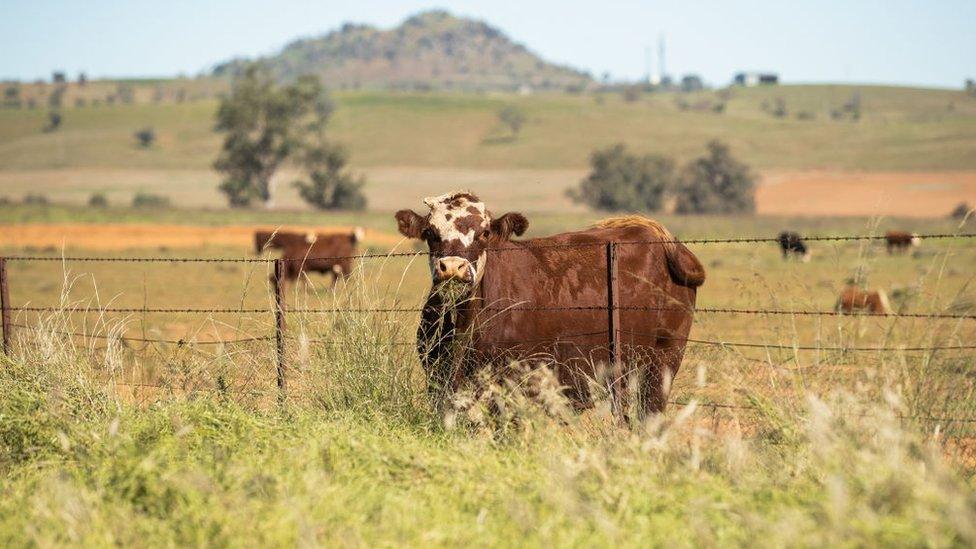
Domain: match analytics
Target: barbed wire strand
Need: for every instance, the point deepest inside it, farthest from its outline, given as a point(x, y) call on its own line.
point(524, 247)
point(183, 341)
point(364, 310)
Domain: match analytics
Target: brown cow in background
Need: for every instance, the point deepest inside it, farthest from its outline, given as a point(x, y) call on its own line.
point(900, 241)
point(325, 253)
point(853, 299)
point(489, 321)
point(265, 240)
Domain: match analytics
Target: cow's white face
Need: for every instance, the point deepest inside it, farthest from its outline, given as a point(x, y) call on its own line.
point(458, 231)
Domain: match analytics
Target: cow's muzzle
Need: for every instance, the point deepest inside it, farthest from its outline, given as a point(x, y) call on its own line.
point(453, 267)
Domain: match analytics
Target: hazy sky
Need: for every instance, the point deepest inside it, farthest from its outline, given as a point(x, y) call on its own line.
point(929, 43)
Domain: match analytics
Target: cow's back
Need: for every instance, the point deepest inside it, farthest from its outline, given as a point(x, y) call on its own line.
point(567, 274)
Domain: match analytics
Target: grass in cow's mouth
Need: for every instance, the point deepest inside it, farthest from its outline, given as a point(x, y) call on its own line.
point(453, 292)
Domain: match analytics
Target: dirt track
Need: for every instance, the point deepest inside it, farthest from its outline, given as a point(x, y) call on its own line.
point(121, 237)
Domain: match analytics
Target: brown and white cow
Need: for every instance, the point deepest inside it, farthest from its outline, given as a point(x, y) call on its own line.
point(900, 241)
point(267, 240)
point(853, 299)
point(325, 253)
point(503, 280)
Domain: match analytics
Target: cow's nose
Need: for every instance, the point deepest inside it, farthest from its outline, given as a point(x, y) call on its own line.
point(453, 267)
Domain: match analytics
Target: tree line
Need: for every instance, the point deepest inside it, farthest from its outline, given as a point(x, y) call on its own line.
point(622, 181)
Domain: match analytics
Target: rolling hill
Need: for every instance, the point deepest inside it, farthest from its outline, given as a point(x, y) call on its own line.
point(431, 50)
point(913, 151)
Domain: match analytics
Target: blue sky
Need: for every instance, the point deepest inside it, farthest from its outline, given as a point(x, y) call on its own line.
point(930, 43)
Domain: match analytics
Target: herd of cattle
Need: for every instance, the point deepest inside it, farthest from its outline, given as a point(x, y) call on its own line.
point(490, 304)
point(332, 254)
point(853, 298)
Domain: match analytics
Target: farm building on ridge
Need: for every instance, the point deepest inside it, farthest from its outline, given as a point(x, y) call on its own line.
point(750, 79)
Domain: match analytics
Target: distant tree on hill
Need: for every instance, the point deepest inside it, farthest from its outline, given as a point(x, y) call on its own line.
point(148, 200)
point(53, 121)
point(98, 200)
point(145, 137)
point(779, 108)
point(512, 117)
point(126, 93)
point(56, 99)
point(264, 124)
point(961, 211)
point(971, 86)
point(632, 93)
point(716, 183)
point(331, 187)
point(621, 181)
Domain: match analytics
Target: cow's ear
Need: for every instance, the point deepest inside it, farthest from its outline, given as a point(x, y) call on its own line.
point(410, 224)
point(507, 225)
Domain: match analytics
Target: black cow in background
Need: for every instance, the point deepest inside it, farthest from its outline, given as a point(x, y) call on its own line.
point(791, 243)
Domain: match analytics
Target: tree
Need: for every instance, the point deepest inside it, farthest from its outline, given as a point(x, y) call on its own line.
point(716, 183)
point(145, 137)
point(264, 125)
point(621, 181)
point(962, 211)
point(330, 186)
point(98, 200)
point(53, 121)
point(513, 117)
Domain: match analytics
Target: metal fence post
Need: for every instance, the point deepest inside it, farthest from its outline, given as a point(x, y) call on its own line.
point(5, 306)
point(613, 331)
point(279, 282)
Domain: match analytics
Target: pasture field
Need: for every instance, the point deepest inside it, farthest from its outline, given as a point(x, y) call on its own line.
point(911, 153)
point(181, 442)
point(104, 442)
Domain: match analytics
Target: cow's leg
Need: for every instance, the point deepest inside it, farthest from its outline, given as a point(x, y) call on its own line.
point(657, 374)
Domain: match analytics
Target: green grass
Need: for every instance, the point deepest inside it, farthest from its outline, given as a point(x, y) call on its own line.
point(366, 462)
point(902, 128)
point(358, 456)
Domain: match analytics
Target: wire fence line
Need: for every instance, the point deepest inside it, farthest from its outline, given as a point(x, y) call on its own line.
point(718, 343)
point(517, 308)
point(513, 248)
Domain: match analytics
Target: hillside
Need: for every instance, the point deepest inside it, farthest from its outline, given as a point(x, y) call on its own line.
point(917, 142)
point(431, 50)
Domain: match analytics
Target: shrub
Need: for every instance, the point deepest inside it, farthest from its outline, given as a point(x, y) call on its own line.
point(145, 137)
point(148, 200)
point(126, 93)
point(512, 117)
point(53, 121)
point(98, 200)
point(621, 181)
point(961, 211)
point(805, 115)
point(632, 93)
point(716, 183)
point(36, 198)
point(779, 108)
point(331, 187)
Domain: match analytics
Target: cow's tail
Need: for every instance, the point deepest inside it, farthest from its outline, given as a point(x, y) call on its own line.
point(684, 267)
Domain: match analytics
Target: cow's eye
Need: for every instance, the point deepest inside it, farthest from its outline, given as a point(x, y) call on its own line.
point(430, 235)
point(485, 235)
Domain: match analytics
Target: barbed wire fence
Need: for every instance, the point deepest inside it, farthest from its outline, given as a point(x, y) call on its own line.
point(611, 307)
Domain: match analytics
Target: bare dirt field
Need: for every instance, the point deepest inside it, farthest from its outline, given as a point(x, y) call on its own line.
point(901, 194)
point(781, 192)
